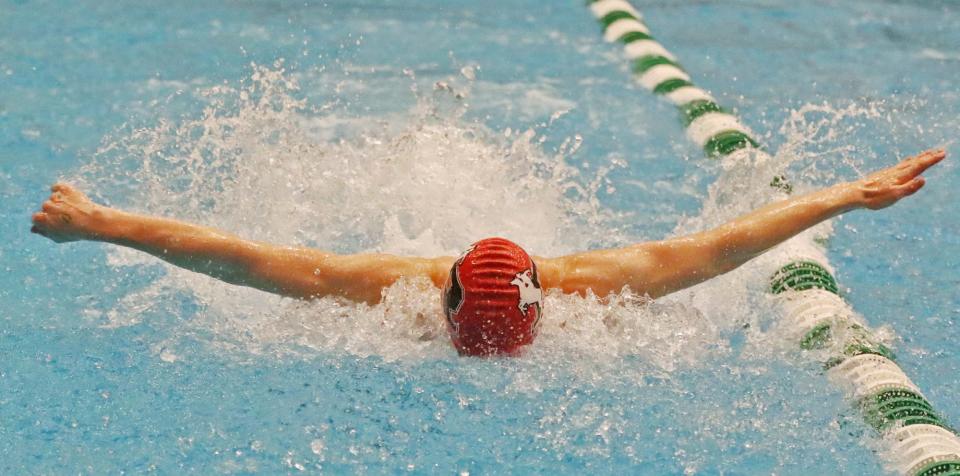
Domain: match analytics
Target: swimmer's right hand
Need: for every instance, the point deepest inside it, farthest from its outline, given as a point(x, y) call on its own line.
point(886, 187)
point(68, 215)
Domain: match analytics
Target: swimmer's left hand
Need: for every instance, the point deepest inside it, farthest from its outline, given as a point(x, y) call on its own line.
point(886, 187)
point(68, 215)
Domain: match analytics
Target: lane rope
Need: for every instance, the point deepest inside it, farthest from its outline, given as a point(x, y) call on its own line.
point(920, 442)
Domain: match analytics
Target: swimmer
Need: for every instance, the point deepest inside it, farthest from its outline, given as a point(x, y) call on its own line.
point(492, 294)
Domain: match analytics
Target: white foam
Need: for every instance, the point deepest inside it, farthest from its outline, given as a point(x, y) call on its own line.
point(260, 164)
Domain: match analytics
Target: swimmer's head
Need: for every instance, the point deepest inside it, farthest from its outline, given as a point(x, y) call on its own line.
point(492, 299)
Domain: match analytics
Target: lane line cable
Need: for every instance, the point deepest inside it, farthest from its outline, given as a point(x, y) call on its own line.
point(920, 442)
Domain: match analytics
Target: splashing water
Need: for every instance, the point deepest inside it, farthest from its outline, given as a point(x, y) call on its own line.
point(259, 164)
point(817, 151)
point(262, 164)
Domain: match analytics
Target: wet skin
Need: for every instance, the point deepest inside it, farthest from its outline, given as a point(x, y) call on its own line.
point(654, 268)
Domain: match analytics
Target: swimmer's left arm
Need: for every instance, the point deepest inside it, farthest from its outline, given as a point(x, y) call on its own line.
point(661, 267)
point(297, 272)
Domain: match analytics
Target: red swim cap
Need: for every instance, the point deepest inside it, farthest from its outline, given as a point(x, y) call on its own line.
point(492, 299)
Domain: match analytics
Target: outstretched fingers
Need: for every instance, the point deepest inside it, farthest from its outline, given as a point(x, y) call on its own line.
point(907, 169)
point(886, 187)
point(911, 187)
point(917, 165)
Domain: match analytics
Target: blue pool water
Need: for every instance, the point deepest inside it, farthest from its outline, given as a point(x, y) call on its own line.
point(323, 123)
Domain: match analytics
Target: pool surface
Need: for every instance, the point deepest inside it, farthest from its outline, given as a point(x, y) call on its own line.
point(417, 127)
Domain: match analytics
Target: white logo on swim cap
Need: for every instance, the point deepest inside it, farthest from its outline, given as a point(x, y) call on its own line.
point(529, 292)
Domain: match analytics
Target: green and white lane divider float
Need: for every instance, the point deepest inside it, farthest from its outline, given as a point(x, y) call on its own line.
point(920, 442)
point(656, 69)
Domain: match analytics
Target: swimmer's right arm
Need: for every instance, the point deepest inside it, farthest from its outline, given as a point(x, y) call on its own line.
point(662, 267)
point(296, 272)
